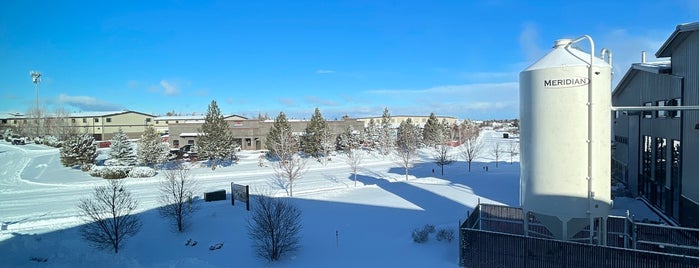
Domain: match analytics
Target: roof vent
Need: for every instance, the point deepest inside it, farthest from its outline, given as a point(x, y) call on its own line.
point(562, 42)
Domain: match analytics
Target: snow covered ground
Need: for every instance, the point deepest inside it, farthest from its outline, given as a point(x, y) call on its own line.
point(343, 226)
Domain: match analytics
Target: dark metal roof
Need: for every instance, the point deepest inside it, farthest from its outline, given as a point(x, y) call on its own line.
point(660, 67)
point(679, 35)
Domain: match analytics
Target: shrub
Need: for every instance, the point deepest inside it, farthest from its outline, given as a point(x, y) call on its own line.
point(420, 235)
point(445, 235)
point(96, 171)
point(52, 141)
point(141, 172)
point(429, 228)
point(115, 172)
point(274, 226)
point(86, 167)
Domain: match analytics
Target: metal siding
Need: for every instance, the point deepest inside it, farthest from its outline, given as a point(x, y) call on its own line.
point(685, 63)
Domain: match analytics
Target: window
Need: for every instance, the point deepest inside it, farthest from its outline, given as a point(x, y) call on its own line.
point(646, 166)
point(72, 120)
point(675, 113)
point(648, 114)
point(97, 120)
point(177, 121)
point(166, 122)
point(109, 119)
point(661, 113)
point(176, 143)
point(675, 180)
point(4, 121)
point(147, 120)
point(190, 142)
point(84, 120)
point(660, 171)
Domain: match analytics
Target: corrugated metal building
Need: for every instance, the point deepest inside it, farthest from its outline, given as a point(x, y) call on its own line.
point(654, 151)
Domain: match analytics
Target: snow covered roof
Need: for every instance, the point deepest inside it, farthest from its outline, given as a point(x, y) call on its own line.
point(192, 117)
point(191, 134)
point(11, 115)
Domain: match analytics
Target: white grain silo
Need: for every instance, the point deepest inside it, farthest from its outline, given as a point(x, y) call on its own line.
point(565, 141)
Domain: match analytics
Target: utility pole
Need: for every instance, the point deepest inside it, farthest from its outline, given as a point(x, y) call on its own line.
point(36, 78)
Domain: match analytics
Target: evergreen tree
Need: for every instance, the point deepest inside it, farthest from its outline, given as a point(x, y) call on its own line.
point(432, 131)
point(371, 134)
point(215, 142)
point(348, 139)
point(407, 143)
point(316, 133)
point(121, 151)
point(386, 139)
point(78, 150)
point(281, 125)
point(151, 148)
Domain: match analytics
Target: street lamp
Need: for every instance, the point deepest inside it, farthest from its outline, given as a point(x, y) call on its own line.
point(36, 78)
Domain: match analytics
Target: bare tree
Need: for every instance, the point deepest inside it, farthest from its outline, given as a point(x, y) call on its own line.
point(354, 159)
point(110, 216)
point(290, 165)
point(512, 149)
point(176, 193)
point(496, 152)
point(274, 227)
point(442, 156)
point(470, 149)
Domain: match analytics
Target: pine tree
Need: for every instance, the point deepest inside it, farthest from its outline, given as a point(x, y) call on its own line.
point(281, 125)
point(371, 134)
point(348, 139)
point(78, 150)
point(316, 134)
point(121, 151)
point(151, 149)
point(386, 139)
point(407, 144)
point(215, 142)
point(432, 132)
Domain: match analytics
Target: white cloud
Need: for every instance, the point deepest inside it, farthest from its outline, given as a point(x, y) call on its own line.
point(626, 47)
point(170, 88)
point(314, 100)
point(528, 41)
point(132, 84)
point(288, 101)
point(86, 103)
point(322, 71)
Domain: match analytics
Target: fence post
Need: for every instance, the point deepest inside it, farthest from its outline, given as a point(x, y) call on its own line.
point(626, 229)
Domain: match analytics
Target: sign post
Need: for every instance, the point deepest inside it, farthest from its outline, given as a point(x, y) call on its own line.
point(241, 193)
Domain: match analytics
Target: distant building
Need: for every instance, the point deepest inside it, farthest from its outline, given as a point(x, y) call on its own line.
point(250, 134)
point(654, 151)
point(101, 125)
point(418, 120)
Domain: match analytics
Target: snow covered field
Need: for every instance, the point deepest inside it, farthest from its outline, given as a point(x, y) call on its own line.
point(343, 226)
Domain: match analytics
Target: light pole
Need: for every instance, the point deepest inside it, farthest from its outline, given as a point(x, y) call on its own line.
point(36, 78)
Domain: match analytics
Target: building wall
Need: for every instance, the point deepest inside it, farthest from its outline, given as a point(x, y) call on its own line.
point(250, 134)
point(685, 63)
point(677, 198)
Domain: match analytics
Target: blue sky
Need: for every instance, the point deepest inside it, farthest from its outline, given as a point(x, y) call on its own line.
point(455, 58)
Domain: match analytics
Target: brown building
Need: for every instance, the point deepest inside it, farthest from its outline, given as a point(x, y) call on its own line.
point(250, 134)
